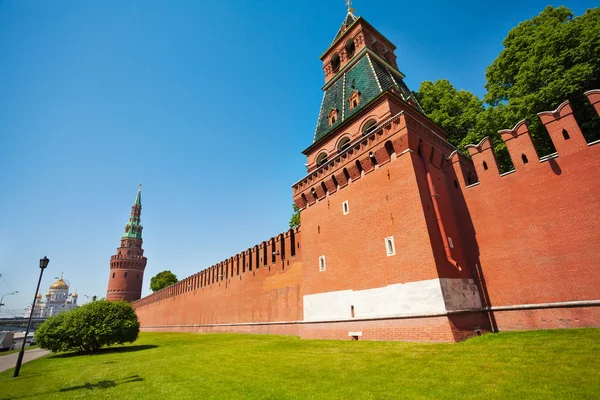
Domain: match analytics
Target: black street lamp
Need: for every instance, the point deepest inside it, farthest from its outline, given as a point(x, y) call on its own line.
point(43, 264)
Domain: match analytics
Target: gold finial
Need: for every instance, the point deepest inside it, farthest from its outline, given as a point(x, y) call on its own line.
point(349, 5)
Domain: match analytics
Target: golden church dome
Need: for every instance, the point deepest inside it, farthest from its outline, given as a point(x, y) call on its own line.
point(48, 294)
point(75, 295)
point(59, 284)
point(39, 296)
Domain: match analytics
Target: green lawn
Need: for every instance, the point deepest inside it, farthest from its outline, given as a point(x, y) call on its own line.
point(524, 365)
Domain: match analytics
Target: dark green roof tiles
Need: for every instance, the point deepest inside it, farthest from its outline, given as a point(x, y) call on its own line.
point(133, 229)
point(370, 78)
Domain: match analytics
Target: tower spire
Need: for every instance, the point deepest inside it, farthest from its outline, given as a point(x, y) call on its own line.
point(138, 198)
point(133, 229)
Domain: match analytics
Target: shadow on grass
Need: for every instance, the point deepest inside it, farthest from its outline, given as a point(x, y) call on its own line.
point(109, 350)
point(104, 384)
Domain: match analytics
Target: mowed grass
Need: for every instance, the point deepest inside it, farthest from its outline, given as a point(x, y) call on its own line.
point(522, 365)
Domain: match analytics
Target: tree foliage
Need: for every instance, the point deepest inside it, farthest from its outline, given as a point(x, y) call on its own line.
point(162, 280)
point(295, 220)
point(548, 59)
point(90, 327)
point(455, 111)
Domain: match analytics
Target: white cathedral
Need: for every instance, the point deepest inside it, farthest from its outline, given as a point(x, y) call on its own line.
point(58, 299)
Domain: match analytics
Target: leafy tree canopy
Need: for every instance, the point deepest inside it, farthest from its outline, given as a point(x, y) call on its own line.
point(89, 327)
point(548, 59)
point(456, 111)
point(162, 280)
point(295, 220)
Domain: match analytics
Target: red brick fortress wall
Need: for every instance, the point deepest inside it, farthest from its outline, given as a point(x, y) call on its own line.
point(259, 285)
point(532, 234)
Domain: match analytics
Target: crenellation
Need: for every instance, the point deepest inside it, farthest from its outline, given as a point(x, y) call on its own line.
point(563, 129)
point(520, 145)
point(593, 97)
point(484, 159)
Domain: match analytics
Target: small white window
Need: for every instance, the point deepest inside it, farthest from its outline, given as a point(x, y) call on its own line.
point(450, 242)
point(345, 207)
point(389, 246)
point(321, 263)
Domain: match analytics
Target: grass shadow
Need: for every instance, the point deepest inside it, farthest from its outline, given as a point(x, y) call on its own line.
point(104, 384)
point(109, 350)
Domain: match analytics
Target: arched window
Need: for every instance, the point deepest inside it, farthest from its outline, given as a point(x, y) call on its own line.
point(324, 187)
point(485, 167)
point(335, 182)
point(335, 62)
point(125, 274)
point(322, 159)
point(344, 144)
point(389, 148)
point(369, 127)
point(350, 48)
point(359, 166)
point(524, 158)
point(346, 174)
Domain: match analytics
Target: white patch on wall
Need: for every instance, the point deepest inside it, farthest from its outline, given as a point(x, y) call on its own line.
point(450, 242)
point(434, 296)
point(345, 207)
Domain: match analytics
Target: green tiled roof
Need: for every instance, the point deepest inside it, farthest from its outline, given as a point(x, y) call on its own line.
point(370, 78)
point(133, 229)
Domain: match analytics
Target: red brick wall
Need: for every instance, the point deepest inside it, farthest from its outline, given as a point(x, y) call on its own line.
point(430, 329)
point(532, 235)
point(548, 318)
point(266, 293)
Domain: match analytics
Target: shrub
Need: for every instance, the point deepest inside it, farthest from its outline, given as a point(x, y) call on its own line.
point(90, 327)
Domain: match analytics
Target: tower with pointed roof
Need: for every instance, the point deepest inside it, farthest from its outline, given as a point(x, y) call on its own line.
point(128, 264)
point(378, 233)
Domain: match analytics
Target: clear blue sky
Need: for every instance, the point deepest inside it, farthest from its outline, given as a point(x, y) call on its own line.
point(209, 104)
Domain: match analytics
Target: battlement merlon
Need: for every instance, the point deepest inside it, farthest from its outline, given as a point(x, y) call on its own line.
point(594, 97)
point(563, 129)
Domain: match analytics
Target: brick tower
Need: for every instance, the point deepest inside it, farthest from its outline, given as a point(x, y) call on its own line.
point(127, 266)
point(380, 240)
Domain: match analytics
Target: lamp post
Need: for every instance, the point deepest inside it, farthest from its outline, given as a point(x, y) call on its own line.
point(43, 264)
point(6, 294)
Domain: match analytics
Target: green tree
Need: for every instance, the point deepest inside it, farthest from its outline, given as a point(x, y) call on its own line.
point(162, 280)
point(546, 60)
point(295, 220)
point(455, 111)
point(90, 327)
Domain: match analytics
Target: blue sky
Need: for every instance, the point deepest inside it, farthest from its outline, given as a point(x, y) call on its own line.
point(208, 104)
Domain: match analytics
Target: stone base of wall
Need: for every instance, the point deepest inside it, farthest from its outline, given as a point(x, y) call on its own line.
point(450, 328)
point(422, 329)
point(547, 318)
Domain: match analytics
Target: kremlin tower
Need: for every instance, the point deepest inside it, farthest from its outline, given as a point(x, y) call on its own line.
point(127, 266)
